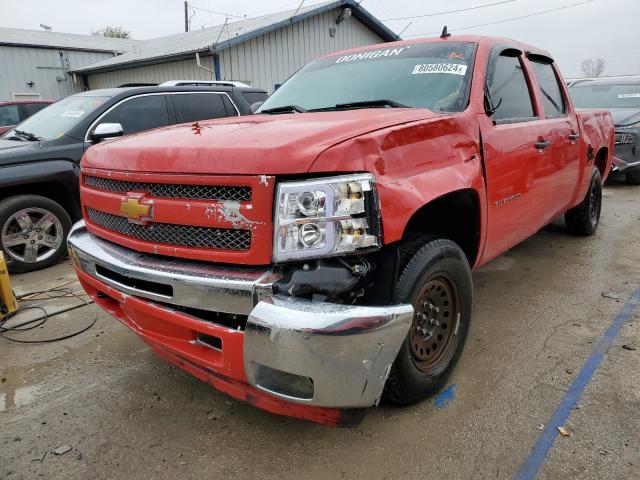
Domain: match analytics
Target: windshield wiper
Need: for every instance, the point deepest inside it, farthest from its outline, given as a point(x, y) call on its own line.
point(382, 103)
point(15, 138)
point(284, 109)
point(27, 135)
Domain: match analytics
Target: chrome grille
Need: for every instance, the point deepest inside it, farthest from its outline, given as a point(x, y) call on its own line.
point(179, 235)
point(170, 190)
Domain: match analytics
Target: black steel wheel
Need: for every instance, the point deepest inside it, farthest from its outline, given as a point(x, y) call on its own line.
point(584, 218)
point(436, 280)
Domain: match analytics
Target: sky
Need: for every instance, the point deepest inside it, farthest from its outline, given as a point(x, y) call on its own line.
point(597, 28)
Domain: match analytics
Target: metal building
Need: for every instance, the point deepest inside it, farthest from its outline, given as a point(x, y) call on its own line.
point(36, 65)
point(262, 52)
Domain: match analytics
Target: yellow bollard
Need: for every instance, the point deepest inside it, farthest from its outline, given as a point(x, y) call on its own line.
point(8, 303)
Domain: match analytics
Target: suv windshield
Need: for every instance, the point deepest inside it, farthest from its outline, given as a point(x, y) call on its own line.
point(432, 75)
point(57, 119)
point(608, 95)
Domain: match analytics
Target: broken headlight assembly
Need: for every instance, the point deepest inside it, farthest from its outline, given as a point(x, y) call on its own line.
point(325, 216)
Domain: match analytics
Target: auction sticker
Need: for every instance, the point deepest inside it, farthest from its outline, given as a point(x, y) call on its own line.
point(453, 68)
point(73, 113)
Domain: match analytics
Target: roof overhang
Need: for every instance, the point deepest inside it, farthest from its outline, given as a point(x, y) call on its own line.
point(357, 11)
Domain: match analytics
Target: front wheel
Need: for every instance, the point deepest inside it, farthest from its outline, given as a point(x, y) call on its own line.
point(437, 282)
point(33, 231)
point(584, 218)
point(633, 177)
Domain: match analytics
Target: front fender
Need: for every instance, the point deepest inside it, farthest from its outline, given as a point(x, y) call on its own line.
point(414, 164)
point(61, 172)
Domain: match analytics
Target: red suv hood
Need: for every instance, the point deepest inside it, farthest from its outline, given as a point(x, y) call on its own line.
point(257, 144)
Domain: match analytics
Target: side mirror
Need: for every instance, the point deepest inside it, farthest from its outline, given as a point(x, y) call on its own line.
point(107, 130)
point(255, 106)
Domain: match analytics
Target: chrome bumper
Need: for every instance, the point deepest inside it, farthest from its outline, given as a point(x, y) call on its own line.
point(307, 352)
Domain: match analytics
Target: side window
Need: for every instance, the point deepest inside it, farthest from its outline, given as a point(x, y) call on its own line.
point(550, 92)
point(140, 113)
point(29, 109)
point(253, 97)
point(509, 90)
point(9, 115)
point(191, 107)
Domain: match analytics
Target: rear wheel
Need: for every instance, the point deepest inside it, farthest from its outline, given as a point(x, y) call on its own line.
point(584, 218)
point(633, 177)
point(33, 232)
point(436, 280)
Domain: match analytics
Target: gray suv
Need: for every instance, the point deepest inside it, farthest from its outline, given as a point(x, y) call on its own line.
point(620, 95)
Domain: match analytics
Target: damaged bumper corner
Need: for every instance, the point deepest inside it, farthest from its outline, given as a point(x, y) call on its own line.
point(312, 354)
point(323, 354)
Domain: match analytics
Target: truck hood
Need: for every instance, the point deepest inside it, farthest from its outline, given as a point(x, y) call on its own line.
point(623, 117)
point(255, 144)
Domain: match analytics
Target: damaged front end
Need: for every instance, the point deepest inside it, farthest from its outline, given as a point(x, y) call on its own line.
point(299, 340)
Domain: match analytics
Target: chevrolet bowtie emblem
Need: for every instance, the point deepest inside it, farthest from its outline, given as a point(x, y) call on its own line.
point(134, 209)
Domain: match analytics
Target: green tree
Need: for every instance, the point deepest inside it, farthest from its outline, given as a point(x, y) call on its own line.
point(112, 32)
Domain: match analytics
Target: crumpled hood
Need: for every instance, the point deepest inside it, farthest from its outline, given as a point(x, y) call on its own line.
point(255, 144)
point(625, 116)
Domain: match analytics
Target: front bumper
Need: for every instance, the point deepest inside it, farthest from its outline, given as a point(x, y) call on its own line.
point(291, 351)
point(626, 157)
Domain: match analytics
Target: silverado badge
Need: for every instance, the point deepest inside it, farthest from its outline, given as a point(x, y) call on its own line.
point(136, 208)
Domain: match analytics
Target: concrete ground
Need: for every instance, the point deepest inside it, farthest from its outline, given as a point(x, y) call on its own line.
point(539, 312)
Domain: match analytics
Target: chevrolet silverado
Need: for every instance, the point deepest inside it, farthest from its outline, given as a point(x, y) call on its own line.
point(316, 256)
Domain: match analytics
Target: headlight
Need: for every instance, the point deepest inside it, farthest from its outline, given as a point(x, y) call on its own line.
point(625, 138)
point(325, 216)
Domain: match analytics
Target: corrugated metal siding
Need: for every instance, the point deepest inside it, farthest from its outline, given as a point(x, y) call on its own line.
point(19, 65)
point(272, 58)
point(177, 70)
point(263, 61)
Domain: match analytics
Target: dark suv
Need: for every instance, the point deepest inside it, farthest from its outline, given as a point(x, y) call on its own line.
point(39, 158)
point(621, 95)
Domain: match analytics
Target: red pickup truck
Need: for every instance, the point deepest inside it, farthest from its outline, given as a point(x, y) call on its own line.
point(316, 256)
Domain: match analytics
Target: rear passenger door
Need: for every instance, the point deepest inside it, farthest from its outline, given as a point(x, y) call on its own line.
point(140, 113)
point(560, 129)
point(514, 166)
point(196, 106)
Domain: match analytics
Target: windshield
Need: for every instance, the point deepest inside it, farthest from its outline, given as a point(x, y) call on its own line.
point(609, 95)
point(433, 75)
point(57, 119)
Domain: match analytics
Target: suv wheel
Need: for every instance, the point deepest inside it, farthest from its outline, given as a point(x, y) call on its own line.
point(437, 282)
point(33, 232)
point(633, 177)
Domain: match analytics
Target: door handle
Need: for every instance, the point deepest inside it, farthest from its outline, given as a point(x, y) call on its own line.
point(573, 137)
point(543, 144)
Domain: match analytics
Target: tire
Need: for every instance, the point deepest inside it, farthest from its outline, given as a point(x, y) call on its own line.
point(436, 273)
point(28, 250)
point(633, 177)
point(583, 219)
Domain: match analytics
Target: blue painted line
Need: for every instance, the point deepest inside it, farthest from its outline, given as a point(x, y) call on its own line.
point(540, 450)
point(445, 397)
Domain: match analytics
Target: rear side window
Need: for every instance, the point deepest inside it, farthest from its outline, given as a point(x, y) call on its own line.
point(549, 89)
point(192, 107)
point(9, 115)
point(509, 90)
point(139, 114)
point(254, 97)
point(29, 109)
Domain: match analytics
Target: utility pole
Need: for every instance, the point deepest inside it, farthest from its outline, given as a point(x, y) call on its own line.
point(186, 16)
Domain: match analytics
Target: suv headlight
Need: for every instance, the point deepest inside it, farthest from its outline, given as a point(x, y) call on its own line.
point(325, 216)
